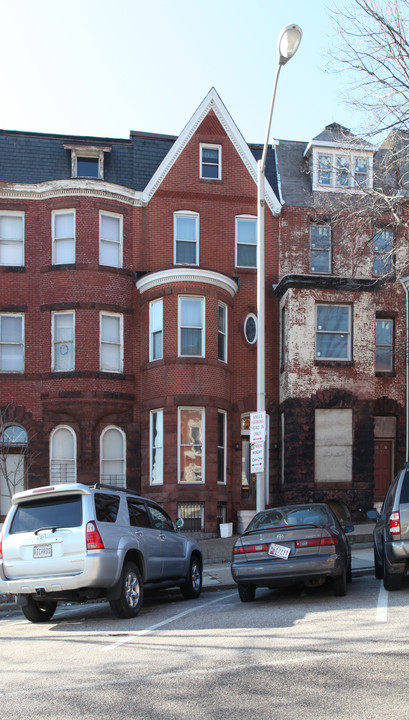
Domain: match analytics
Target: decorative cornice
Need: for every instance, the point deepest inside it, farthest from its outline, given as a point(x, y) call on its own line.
point(183, 275)
point(70, 187)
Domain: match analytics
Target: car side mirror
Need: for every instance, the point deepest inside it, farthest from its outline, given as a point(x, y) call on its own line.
point(349, 529)
point(179, 523)
point(372, 515)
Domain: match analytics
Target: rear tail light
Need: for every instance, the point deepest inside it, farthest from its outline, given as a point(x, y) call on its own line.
point(240, 550)
point(315, 542)
point(394, 523)
point(94, 539)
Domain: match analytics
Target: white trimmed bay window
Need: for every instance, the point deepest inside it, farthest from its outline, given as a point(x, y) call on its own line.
point(11, 239)
point(191, 444)
point(111, 342)
point(12, 343)
point(156, 447)
point(63, 352)
point(63, 455)
point(63, 237)
point(113, 457)
point(110, 239)
point(333, 332)
point(191, 326)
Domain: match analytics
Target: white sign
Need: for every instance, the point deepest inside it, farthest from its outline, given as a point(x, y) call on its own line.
point(257, 457)
point(257, 427)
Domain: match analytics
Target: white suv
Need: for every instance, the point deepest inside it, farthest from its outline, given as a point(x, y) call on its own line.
point(77, 542)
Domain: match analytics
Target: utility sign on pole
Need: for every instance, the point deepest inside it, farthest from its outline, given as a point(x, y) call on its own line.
point(257, 441)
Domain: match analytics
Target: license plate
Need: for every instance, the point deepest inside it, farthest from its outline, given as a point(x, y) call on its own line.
point(279, 551)
point(41, 551)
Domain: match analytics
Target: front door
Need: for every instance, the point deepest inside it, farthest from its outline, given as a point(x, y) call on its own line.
point(383, 467)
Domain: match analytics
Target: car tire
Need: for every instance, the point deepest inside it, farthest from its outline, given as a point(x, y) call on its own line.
point(38, 610)
point(247, 593)
point(391, 581)
point(339, 584)
point(192, 588)
point(378, 565)
point(349, 572)
point(130, 598)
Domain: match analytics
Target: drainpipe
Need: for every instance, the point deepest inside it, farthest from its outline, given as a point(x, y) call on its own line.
point(405, 283)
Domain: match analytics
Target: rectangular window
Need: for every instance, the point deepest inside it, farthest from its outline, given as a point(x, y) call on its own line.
point(333, 332)
point(343, 171)
point(191, 326)
point(283, 334)
point(87, 167)
point(63, 341)
point(324, 170)
point(340, 171)
point(210, 162)
point(110, 239)
point(156, 443)
point(12, 343)
point(221, 446)
point(193, 516)
point(191, 444)
point(186, 233)
point(156, 330)
point(246, 242)
point(111, 342)
point(384, 350)
point(320, 248)
point(382, 251)
point(361, 172)
point(11, 239)
point(63, 234)
point(222, 333)
point(333, 445)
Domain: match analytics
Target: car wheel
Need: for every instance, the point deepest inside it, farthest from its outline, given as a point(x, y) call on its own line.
point(391, 581)
point(130, 599)
point(349, 572)
point(193, 586)
point(38, 610)
point(339, 584)
point(247, 593)
point(378, 565)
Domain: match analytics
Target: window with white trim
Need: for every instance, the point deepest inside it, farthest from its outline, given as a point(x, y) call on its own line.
point(222, 332)
point(246, 242)
point(156, 447)
point(12, 343)
point(63, 334)
point(186, 238)
point(87, 161)
point(191, 444)
point(333, 332)
point(110, 239)
point(341, 170)
point(384, 345)
point(113, 457)
point(63, 237)
point(156, 330)
point(111, 342)
point(63, 455)
point(191, 326)
point(11, 239)
point(221, 446)
point(320, 248)
point(211, 162)
point(382, 251)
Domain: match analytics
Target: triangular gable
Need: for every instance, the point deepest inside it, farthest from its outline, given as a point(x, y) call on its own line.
point(213, 102)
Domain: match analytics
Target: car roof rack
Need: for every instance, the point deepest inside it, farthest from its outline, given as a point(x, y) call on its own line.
point(102, 486)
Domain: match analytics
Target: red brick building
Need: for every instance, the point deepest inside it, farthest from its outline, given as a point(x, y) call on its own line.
point(128, 326)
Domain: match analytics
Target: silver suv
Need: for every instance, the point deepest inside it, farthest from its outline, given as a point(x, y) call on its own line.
point(391, 533)
point(77, 542)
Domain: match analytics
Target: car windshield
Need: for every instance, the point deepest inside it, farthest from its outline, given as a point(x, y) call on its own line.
point(46, 513)
point(287, 516)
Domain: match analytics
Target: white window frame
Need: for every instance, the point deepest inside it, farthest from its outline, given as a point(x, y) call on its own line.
point(55, 342)
point(87, 152)
point(382, 256)
point(68, 463)
point(321, 331)
point(223, 448)
point(245, 219)
point(195, 327)
point(54, 215)
point(221, 333)
point(202, 453)
point(385, 346)
point(105, 241)
point(335, 167)
point(153, 330)
point(19, 244)
point(104, 478)
point(154, 480)
point(204, 164)
point(254, 317)
point(11, 342)
point(189, 215)
point(321, 251)
point(119, 344)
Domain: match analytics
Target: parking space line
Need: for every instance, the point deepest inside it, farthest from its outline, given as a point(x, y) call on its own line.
point(382, 606)
point(151, 628)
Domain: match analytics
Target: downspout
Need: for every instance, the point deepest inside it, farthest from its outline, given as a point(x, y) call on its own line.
point(405, 282)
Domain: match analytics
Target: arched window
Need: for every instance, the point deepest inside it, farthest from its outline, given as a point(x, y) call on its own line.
point(113, 458)
point(13, 464)
point(63, 455)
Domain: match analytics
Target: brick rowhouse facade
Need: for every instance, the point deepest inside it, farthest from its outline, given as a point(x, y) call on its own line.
point(128, 309)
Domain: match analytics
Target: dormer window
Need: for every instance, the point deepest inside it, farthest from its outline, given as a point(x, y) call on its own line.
point(87, 161)
point(332, 170)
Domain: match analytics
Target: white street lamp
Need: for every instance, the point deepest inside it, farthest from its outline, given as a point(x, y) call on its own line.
point(288, 42)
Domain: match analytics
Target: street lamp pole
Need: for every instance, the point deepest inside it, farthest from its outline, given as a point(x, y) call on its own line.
point(288, 42)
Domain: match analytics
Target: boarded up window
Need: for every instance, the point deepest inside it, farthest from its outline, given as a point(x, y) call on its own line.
point(333, 445)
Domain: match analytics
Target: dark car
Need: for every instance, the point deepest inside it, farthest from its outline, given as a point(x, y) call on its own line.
point(391, 533)
point(286, 546)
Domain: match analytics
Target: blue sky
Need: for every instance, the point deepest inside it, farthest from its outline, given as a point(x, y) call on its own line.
point(103, 68)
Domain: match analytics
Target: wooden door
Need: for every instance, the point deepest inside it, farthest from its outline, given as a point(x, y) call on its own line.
point(383, 467)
